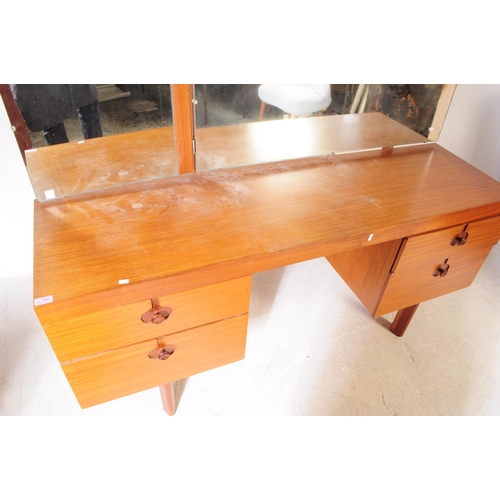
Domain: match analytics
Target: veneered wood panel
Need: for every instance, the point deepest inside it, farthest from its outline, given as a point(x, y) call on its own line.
point(413, 282)
point(75, 336)
point(366, 270)
point(195, 229)
point(129, 370)
point(182, 97)
point(20, 129)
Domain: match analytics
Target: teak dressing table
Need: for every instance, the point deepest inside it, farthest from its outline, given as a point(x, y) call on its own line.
point(144, 284)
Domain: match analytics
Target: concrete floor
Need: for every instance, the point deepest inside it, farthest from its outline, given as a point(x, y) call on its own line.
point(312, 349)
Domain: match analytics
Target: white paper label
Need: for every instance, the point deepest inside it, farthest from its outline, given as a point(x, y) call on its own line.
point(44, 300)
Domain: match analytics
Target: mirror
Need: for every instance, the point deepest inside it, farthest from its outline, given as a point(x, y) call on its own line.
point(151, 132)
point(249, 124)
point(90, 137)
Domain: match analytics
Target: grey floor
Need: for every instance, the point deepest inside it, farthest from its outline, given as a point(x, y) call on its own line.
point(312, 349)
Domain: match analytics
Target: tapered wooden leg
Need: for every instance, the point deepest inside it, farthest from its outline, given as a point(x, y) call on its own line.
point(402, 320)
point(168, 398)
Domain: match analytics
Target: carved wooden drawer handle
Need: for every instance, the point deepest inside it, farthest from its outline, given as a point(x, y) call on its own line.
point(157, 314)
point(460, 239)
point(162, 352)
point(443, 269)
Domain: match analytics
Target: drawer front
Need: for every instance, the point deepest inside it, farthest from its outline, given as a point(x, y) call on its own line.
point(129, 370)
point(414, 281)
point(73, 338)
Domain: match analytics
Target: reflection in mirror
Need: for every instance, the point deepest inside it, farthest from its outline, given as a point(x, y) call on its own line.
point(91, 137)
point(247, 124)
point(119, 109)
point(414, 106)
point(236, 125)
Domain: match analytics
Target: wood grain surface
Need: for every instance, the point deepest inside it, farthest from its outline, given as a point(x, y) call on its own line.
point(367, 270)
point(17, 123)
point(398, 274)
point(128, 370)
point(196, 229)
point(413, 280)
point(182, 104)
point(75, 334)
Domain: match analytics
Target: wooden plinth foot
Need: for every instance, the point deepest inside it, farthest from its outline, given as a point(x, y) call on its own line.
point(402, 320)
point(168, 398)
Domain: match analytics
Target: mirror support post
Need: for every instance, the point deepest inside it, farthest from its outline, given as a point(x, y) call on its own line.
point(184, 126)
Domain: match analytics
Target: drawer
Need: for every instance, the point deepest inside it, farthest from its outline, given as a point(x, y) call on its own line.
point(128, 370)
point(415, 278)
point(89, 334)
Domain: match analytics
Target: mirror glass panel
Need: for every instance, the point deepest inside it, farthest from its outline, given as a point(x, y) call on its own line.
point(80, 145)
point(235, 125)
point(248, 124)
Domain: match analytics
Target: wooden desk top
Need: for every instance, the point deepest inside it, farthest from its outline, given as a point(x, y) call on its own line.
point(195, 229)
